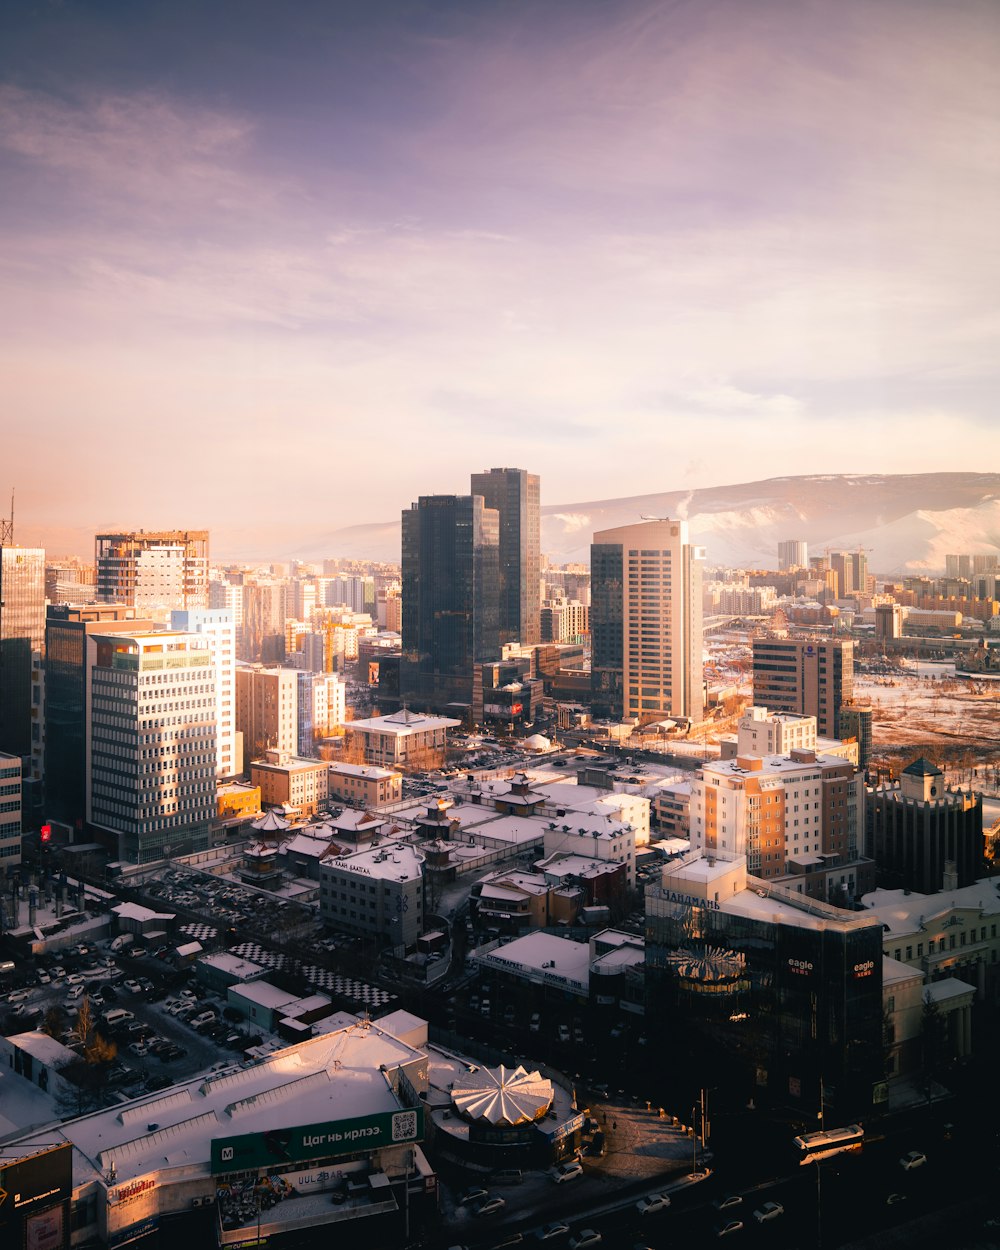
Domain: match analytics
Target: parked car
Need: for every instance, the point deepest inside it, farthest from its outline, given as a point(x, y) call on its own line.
point(769, 1211)
point(725, 1203)
point(731, 1226)
point(912, 1159)
point(138, 1048)
point(18, 996)
point(566, 1172)
point(535, 1023)
point(563, 1032)
point(132, 985)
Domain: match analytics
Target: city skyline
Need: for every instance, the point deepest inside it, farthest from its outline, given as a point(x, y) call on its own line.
point(272, 249)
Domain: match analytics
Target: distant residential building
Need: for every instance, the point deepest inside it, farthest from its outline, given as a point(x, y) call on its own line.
point(364, 785)
point(264, 611)
point(888, 621)
point(267, 709)
point(10, 811)
point(289, 780)
point(322, 708)
point(922, 834)
point(793, 554)
point(564, 620)
point(813, 677)
point(856, 722)
point(646, 623)
point(150, 742)
point(153, 571)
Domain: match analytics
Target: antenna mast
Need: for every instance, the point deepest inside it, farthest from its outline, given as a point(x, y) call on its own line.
point(7, 527)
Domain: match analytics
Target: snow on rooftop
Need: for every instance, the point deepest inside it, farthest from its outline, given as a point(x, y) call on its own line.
point(135, 911)
point(347, 1083)
point(905, 912)
point(894, 971)
point(538, 952)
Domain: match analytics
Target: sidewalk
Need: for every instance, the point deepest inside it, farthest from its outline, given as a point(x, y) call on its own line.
point(640, 1143)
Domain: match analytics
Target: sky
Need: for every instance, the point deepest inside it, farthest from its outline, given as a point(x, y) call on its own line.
point(275, 266)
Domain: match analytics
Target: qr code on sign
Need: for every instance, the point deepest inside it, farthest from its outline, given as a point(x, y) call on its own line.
point(404, 1126)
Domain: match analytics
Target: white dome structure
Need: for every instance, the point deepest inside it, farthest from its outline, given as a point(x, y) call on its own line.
point(537, 742)
point(503, 1096)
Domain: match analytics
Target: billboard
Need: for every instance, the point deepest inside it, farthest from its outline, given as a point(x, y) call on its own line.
point(32, 1194)
point(316, 1141)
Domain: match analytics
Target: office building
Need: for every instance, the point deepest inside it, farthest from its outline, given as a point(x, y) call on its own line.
point(10, 812)
point(377, 893)
point(774, 993)
point(22, 632)
point(150, 743)
point(67, 699)
point(451, 571)
point(153, 571)
point(515, 494)
point(646, 623)
point(405, 740)
point(267, 709)
point(219, 627)
point(811, 676)
point(923, 835)
point(793, 554)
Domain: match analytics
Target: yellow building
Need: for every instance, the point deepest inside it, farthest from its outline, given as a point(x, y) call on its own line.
point(237, 799)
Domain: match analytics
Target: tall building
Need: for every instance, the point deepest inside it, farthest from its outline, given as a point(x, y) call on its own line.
point(151, 742)
point(10, 812)
point(153, 571)
point(66, 699)
point(793, 554)
point(450, 616)
point(264, 612)
point(515, 494)
point(851, 568)
point(218, 626)
point(266, 709)
point(646, 622)
point(22, 631)
point(811, 676)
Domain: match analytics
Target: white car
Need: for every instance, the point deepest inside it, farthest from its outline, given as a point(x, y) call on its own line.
point(652, 1203)
point(133, 986)
point(731, 1226)
point(18, 996)
point(555, 1229)
point(914, 1159)
point(584, 1239)
point(730, 1200)
point(769, 1211)
point(566, 1172)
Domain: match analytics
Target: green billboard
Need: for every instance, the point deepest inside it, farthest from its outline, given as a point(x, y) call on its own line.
point(253, 1151)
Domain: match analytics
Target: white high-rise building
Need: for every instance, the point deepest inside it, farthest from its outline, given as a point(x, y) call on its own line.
point(218, 626)
point(153, 571)
point(10, 811)
point(150, 742)
point(793, 554)
point(646, 622)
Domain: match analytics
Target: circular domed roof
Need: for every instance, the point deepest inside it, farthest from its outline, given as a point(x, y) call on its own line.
point(503, 1096)
point(538, 742)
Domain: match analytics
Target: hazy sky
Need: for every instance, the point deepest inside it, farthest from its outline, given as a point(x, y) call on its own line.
point(287, 265)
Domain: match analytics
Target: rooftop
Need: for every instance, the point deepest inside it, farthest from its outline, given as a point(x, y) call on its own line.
point(404, 723)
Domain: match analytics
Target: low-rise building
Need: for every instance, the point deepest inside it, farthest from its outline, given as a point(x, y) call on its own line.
point(290, 782)
point(377, 893)
point(364, 785)
point(403, 740)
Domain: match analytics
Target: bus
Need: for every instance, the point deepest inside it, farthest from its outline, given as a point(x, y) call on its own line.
point(831, 1141)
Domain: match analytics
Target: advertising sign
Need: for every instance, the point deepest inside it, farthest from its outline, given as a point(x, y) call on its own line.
point(129, 1205)
point(32, 1194)
point(316, 1141)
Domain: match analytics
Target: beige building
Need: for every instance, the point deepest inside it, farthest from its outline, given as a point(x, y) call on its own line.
point(646, 623)
point(760, 732)
point(285, 779)
point(406, 740)
point(364, 785)
point(266, 709)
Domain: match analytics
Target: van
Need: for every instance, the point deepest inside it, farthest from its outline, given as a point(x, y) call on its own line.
point(116, 1015)
point(507, 1176)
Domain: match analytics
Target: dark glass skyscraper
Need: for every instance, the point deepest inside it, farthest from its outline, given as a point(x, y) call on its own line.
point(66, 630)
point(515, 494)
point(450, 608)
point(22, 631)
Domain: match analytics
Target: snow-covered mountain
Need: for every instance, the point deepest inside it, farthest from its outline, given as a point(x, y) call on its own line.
point(908, 522)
